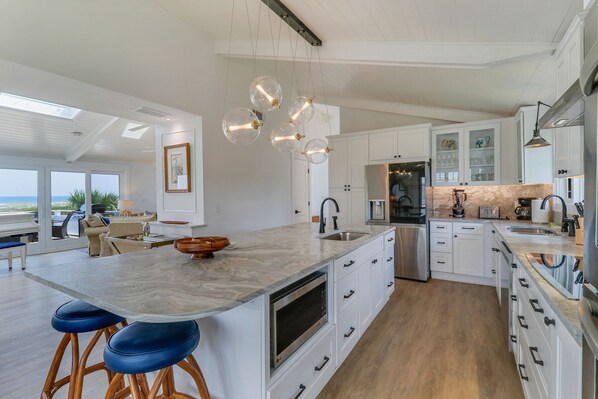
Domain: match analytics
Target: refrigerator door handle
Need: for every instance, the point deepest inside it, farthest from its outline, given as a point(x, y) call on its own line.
point(589, 70)
point(588, 327)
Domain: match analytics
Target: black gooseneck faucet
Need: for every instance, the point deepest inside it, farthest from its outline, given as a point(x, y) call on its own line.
point(322, 221)
point(564, 226)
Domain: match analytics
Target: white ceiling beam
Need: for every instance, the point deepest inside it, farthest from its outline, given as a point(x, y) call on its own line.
point(437, 55)
point(448, 114)
point(88, 141)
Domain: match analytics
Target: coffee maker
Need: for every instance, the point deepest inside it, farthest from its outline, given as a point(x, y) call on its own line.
point(459, 197)
point(524, 208)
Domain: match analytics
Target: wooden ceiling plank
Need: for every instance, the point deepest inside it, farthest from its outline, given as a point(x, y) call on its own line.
point(88, 141)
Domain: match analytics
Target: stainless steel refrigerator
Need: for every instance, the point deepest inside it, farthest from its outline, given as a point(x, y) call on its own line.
point(397, 197)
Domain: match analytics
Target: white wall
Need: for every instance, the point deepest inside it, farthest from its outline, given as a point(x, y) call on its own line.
point(142, 186)
point(357, 120)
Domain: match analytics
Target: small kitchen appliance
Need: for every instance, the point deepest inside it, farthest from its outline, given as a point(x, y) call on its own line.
point(459, 197)
point(489, 212)
point(524, 209)
point(539, 215)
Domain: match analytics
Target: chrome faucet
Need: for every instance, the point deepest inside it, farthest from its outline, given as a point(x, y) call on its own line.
point(564, 226)
point(322, 221)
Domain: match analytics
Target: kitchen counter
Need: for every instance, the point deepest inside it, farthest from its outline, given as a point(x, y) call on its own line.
point(164, 285)
point(521, 244)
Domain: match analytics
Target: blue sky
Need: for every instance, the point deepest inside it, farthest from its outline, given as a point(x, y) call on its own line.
point(22, 183)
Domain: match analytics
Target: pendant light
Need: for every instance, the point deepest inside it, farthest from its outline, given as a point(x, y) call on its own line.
point(316, 151)
point(302, 110)
point(241, 126)
point(537, 141)
point(286, 138)
point(265, 93)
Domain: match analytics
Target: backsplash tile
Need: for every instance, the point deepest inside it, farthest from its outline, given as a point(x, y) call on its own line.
point(503, 196)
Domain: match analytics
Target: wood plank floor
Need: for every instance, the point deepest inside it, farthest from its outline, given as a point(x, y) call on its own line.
point(432, 340)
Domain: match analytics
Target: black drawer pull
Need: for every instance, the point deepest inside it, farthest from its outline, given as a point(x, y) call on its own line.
point(467, 228)
point(389, 259)
point(493, 271)
point(513, 265)
point(390, 284)
point(523, 377)
point(390, 239)
point(514, 298)
point(535, 306)
point(440, 262)
point(523, 283)
point(514, 339)
point(440, 242)
point(548, 321)
point(537, 360)
point(349, 295)
point(374, 261)
point(521, 320)
point(351, 331)
point(321, 366)
point(300, 392)
point(440, 227)
point(349, 264)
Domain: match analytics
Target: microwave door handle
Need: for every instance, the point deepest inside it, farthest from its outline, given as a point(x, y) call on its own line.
point(588, 72)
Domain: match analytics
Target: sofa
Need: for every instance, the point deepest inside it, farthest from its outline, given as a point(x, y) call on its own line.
point(93, 233)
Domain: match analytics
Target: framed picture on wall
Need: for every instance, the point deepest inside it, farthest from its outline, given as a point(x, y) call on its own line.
point(177, 168)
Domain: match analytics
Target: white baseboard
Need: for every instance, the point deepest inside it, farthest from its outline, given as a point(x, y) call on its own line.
point(461, 278)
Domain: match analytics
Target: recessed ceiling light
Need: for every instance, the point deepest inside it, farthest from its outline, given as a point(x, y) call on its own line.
point(37, 106)
point(77, 133)
point(560, 122)
point(134, 130)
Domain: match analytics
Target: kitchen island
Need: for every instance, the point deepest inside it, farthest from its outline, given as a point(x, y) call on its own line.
point(229, 296)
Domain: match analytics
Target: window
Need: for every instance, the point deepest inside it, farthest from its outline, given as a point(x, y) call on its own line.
point(37, 106)
point(18, 193)
point(105, 191)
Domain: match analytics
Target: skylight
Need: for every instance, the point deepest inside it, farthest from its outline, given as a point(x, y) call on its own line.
point(134, 130)
point(37, 106)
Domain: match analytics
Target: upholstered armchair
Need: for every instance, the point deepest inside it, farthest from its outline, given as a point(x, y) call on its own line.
point(93, 234)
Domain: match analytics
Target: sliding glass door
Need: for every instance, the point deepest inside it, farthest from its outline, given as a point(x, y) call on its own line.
point(67, 208)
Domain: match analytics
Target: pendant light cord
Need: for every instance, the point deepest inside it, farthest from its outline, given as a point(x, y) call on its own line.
point(324, 90)
point(230, 37)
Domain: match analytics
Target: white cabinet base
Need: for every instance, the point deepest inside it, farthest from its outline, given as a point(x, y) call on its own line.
point(463, 279)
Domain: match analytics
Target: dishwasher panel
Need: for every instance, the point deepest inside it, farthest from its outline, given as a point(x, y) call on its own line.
point(411, 252)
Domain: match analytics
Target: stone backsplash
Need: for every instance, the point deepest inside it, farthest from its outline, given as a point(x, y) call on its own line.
point(503, 196)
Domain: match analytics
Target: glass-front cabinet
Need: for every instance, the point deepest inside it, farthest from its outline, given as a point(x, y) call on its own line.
point(466, 156)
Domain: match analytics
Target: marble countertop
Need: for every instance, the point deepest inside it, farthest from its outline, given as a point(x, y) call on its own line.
point(522, 244)
point(164, 285)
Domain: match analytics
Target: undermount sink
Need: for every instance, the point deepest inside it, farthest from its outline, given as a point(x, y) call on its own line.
point(344, 236)
point(534, 231)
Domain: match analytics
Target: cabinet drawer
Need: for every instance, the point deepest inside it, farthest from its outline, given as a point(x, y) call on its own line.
point(310, 373)
point(346, 264)
point(440, 242)
point(389, 274)
point(389, 238)
point(538, 307)
point(468, 228)
point(525, 364)
point(389, 245)
point(346, 295)
point(441, 227)
point(347, 334)
point(441, 262)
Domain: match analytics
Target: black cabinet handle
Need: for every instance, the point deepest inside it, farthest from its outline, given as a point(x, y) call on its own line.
point(349, 295)
point(441, 262)
point(565, 171)
point(493, 231)
point(390, 284)
point(440, 227)
point(349, 264)
point(513, 265)
point(514, 339)
point(466, 183)
point(493, 271)
point(351, 331)
point(467, 228)
point(513, 297)
point(321, 366)
point(389, 259)
point(374, 261)
point(441, 242)
point(523, 283)
point(460, 184)
point(536, 360)
point(300, 392)
point(390, 239)
point(535, 306)
point(522, 367)
point(399, 156)
point(549, 321)
point(521, 320)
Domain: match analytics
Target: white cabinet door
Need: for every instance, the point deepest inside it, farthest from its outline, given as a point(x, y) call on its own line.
point(364, 291)
point(561, 151)
point(447, 164)
point(413, 143)
point(383, 146)
point(341, 195)
point(356, 160)
point(568, 364)
point(337, 163)
point(482, 155)
point(468, 254)
point(378, 285)
point(389, 275)
point(568, 151)
point(357, 207)
point(575, 167)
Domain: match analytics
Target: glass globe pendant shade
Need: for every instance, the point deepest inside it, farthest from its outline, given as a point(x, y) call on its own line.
point(286, 138)
point(241, 126)
point(302, 110)
point(265, 93)
point(316, 151)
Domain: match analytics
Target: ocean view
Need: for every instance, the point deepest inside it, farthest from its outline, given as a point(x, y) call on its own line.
point(14, 203)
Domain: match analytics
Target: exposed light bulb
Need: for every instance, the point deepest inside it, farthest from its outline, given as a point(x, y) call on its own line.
point(302, 110)
point(272, 100)
point(286, 138)
point(316, 151)
point(241, 126)
point(265, 93)
point(250, 125)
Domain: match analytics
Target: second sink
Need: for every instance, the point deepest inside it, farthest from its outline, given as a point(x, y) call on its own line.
point(344, 236)
point(535, 231)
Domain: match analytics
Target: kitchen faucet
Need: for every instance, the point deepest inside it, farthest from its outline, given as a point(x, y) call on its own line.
point(565, 225)
point(322, 220)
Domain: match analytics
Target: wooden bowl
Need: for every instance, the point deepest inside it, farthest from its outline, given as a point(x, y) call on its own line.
point(201, 247)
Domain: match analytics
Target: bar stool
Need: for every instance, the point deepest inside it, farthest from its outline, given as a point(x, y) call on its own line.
point(145, 347)
point(72, 318)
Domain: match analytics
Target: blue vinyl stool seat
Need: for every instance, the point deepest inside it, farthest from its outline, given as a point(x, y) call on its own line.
point(80, 317)
point(145, 347)
point(73, 318)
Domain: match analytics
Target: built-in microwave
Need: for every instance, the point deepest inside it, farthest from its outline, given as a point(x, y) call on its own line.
point(297, 312)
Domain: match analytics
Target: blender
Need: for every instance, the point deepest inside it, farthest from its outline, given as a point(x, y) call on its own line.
point(459, 197)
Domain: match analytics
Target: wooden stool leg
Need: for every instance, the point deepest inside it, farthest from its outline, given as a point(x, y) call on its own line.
point(74, 364)
point(143, 385)
point(193, 362)
point(199, 381)
point(157, 384)
point(23, 257)
point(134, 384)
point(9, 256)
point(81, 370)
point(114, 384)
point(49, 385)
